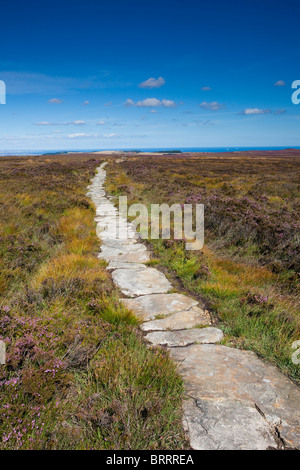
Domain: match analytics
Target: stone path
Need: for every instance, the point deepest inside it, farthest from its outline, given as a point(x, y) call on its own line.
point(233, 399)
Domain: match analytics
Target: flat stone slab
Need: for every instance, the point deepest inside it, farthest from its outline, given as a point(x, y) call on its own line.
point(107, 215)
point(179, 321)
point(118, 242)
point(134, 282)
point(137, 257)
point(113, 253)
point(219, 373)
point(235, 400)
point(124, 265)
point(113, 234)
point(148, 306)
point(226, 425)
point(183, 338)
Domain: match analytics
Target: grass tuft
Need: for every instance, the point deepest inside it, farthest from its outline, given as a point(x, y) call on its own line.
point(248, 270)
point(78, 373)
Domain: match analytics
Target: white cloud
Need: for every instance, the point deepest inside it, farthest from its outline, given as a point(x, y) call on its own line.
point(206, 88)
point(108, 104)
point(168, 103)
point(67, 123)
point(153, 83)
point(100, 123)
point(151, 103)
point(85, 103)
point(80, 135)
point(55, 101)
point(111, 136)
point(279, 111)
point(77, 135)
point(129, 103)
point(279, 83)
point(253, 111)
point(213, 105)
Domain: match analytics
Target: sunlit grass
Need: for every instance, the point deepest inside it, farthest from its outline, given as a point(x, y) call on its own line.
point(79, 374)
point(249, 281)
point(70, 267)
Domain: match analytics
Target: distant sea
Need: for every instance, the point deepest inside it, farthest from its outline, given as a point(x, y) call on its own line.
point(7, 153)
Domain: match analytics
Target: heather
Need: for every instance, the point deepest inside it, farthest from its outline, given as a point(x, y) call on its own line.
point(247, 273)
point(78, 373)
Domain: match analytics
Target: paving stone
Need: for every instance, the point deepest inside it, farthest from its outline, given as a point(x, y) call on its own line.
point(114, 229)
point(105, 210)
point(179, 321)
point(130, 258)
point(149, 306)
point(218, 373)
point(107, 221)
point(110, 234)
point(226, 424)
point(134, 282)
point(236, 401)
point(112, 253)
point(123, 265)
point(183, 338)
point(117, 242)
point(135, 257)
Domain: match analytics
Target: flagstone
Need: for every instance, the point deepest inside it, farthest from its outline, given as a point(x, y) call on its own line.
point(218, 376)
point(135, 282)
point(179, 321)
point(183, 338)
point(234, 399)
point(149, 306)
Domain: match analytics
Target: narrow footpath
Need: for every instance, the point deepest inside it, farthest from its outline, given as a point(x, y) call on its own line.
point(234, 400)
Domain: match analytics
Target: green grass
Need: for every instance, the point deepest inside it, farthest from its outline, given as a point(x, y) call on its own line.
point(247, 277)
point(78, 373)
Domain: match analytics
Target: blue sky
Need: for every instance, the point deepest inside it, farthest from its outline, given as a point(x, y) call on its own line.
point(132, 74)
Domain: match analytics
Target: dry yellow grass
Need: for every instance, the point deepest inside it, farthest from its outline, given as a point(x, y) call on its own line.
point(70, 266)
point(238, 274)
point(64, 325)
point(77, 229)
point(248, 273)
